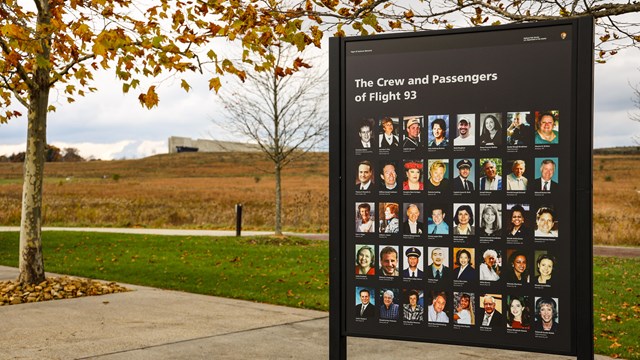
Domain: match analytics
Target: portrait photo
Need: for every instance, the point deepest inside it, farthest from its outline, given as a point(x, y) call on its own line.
point(438, 175)
point(464, 265)
point(365, 217)
point(364, 176)
point(463, 219)
point(465, 130)
point(389, 260)
point(490, 220)
point(490, 313)
point(438, 219)
point(544, 266)
point(519, 314)
point(464, 174)
point(370, 290)
point(414, 219)
point(547, 314)
point(491, 267)
point(366, 134)
point(546, 174)
point(365, 302)
point(439, 308)
point(388, 176)
point(547, 127)
point(438, 131)
point(413, 262)
point(414, 178)
point(490, 174)
point(517, 179)
point(518, 268)
point(519, 129)
point(438, 263)
point(365, 259)
point(464, 312)
point(389, 218)
point(389, 299)
point(412, 137)
point(389, 134)
point(519, 220)
point(491, 129)
point(546, 222)
point(413, 308)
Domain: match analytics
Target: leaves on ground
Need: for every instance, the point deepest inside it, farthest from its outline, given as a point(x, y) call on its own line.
point(55, 288)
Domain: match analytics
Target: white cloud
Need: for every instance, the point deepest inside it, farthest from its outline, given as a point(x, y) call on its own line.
point(108, 124)
point(104, 151)
point(12, 149)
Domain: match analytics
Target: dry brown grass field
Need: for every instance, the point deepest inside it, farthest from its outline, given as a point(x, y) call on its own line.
point(188, 190)
point(199, 190)
point(616, 200)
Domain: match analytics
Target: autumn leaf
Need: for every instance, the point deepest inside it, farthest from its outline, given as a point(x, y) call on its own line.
point(150, 99)
point(214, 84)
point(185, 85)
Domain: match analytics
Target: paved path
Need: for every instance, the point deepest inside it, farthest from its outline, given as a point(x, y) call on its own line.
point(598, 250)
point(150, 323)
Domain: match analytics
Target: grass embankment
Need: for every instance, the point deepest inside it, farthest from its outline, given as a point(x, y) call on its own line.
point(291, 272)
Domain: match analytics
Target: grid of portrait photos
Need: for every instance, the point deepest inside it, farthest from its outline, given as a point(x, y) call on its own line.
point(456, 226)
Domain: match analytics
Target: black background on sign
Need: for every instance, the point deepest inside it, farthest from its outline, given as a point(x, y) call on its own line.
point(532, 76)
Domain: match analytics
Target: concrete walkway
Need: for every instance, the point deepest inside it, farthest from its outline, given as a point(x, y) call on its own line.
point(150, 323)
point(598, 250)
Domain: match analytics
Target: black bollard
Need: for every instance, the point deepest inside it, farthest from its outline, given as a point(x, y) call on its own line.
point(238, 219)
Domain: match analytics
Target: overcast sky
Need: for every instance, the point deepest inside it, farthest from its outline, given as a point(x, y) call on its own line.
point(111, 125)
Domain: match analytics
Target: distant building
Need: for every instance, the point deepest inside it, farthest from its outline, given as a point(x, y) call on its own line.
point(182, 144)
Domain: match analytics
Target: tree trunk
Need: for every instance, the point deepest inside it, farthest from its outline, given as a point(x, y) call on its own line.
point(31, 262)
point(278, 227)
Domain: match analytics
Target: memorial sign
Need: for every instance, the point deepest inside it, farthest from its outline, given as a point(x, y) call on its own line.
point(461, 187)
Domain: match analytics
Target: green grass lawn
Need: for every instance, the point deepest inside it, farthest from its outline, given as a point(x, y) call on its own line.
point(616, 307)
point(290, 271)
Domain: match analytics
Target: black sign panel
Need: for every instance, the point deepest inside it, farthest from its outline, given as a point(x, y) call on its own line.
point(455, 190)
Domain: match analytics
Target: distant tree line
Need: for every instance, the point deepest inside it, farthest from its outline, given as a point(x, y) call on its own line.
point(620, 150)
point(52, 153)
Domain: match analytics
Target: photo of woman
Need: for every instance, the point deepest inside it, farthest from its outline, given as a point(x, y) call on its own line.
point(437, 175)
point(518, 272)
point(517, 227)
point(490, 268)
point(546, 314)
point(519, 315)
point(464, 266)
point(490, 220)
point(389, 224)
point(491, 132)
point(545, 263)
point(463, 220)
point(365, 260)
point(546, 128)
point(464, 313)
point(413, 171)
point(388, 138)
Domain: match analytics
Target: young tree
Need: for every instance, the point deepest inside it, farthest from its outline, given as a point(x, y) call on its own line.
point(636, 116)
point(281, 109)
point(55, 43)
